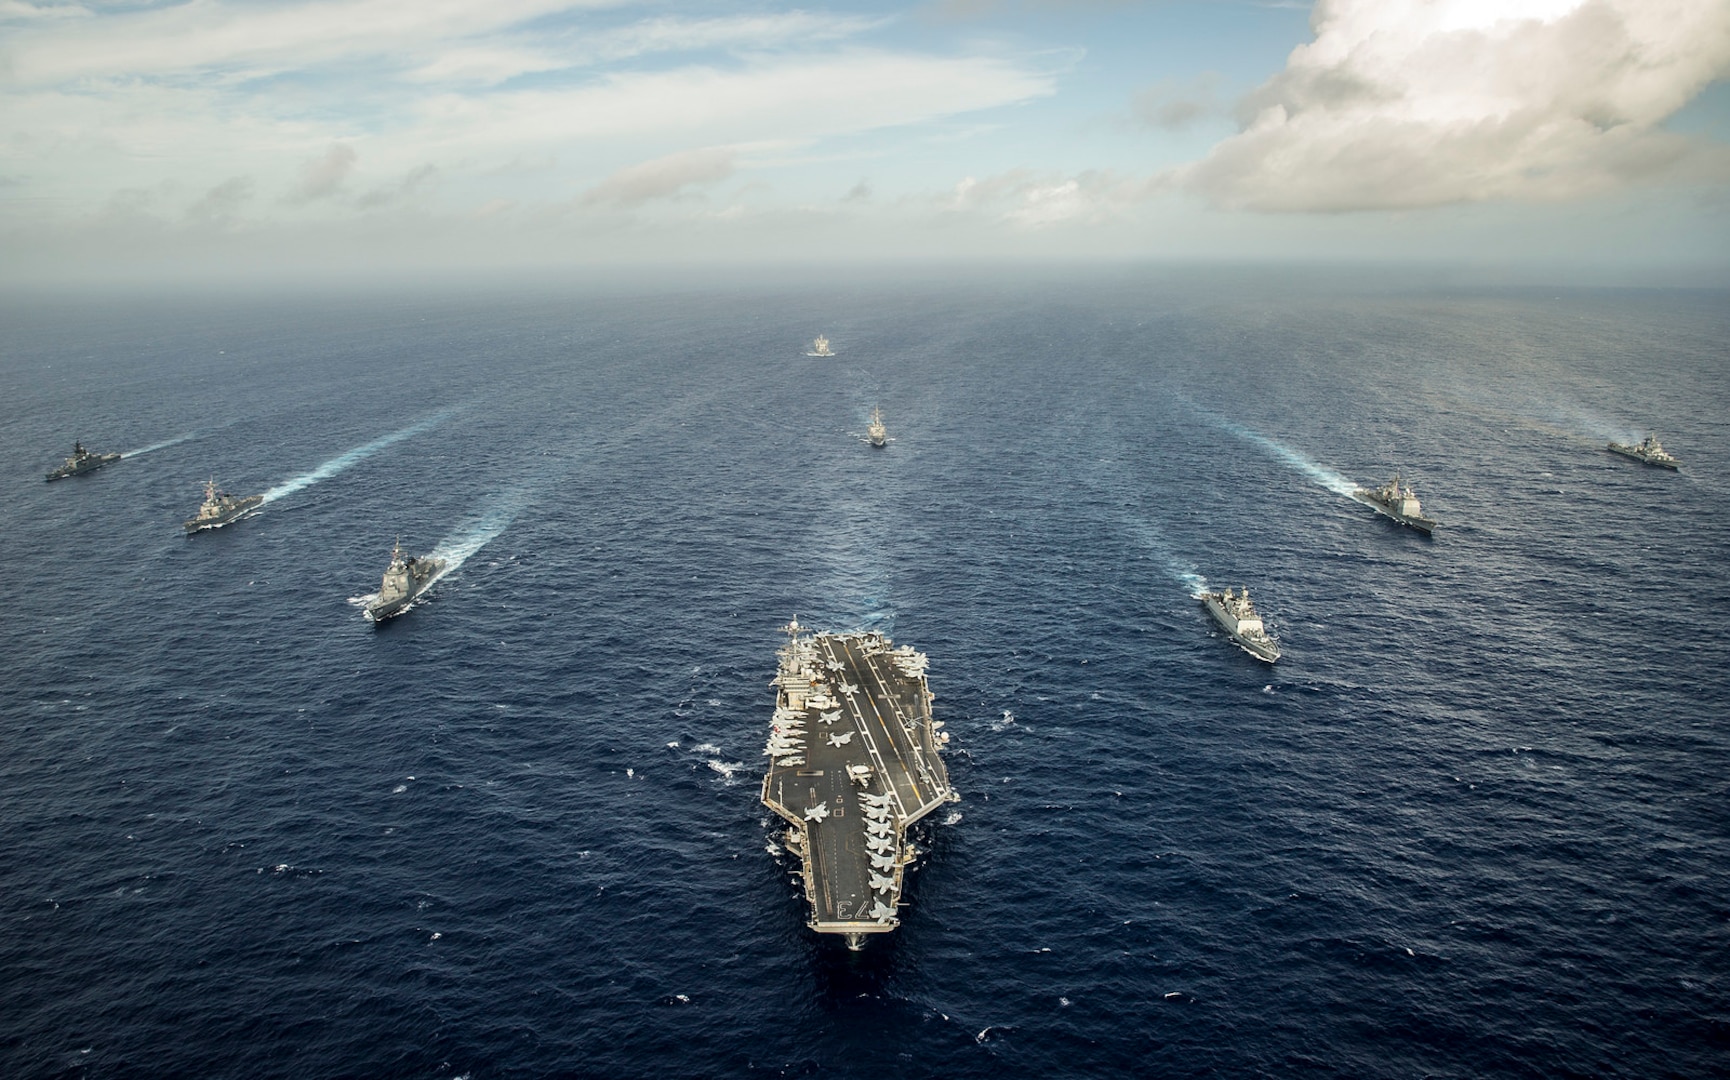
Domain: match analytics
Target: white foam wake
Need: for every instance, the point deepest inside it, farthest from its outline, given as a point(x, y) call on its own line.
point(456, 549)
point(343, 461)
point(164, 444)
point(1322, 475)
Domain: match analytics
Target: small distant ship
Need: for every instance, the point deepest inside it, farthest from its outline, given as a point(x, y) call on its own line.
point(1397, 502)
point(1238, 616)
point(1647, 450)
point(221, 508)
point(404, 581)
point(875, 432)
point(820, 347)
point(82, 461)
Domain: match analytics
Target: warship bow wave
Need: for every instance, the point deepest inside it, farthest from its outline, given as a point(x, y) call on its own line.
point(1398, 503)
point(1648, 450)
point(81, 461)
point(820, 347)
point(1241, 623)
point(220, 508)
point(875, 432)
point(407, 577)
point(854, 759)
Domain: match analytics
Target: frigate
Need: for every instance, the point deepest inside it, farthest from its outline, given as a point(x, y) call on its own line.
point(820, 347)
point(875, 432)
point(407, 577)
point(1238, 616)
point(1397, 502)
point(220, 508)
point(1648, 450)
point(854, 759)
point(81, 461)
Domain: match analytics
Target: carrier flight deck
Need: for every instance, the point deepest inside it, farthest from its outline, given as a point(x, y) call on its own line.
point(854, 760)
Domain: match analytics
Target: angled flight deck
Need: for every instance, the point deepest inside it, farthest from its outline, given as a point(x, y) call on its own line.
point(854, 760)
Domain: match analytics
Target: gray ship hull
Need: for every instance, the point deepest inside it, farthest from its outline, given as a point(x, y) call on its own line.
point(87, 465)
point(1264, 650)
point(230, 514)
point(380, 610)
point(1424, 525)
point(1633, 452)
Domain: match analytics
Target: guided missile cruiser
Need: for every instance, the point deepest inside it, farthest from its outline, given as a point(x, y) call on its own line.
point(220, 508)
point(81, 462)
point(407, 577)
point(1392, 500)
point(850, 795)
point(1647, 450)
point(820, 347)
point(875, 432)
point(1238, 617)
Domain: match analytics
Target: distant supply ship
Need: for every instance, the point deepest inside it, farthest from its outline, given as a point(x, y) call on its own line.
point(1238, 616)
point(854, 759)
point(220, 508)
point(404, 581)
point(875, 431)
point(820, 347)
point(82, 461)
point(1398, 503)
point(1647, 450)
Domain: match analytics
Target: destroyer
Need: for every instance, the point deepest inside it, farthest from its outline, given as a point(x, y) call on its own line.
point(1647, 450)
point(820, 347)
point(854, 759)
point(1398, 503)
point(82, 461)
point(1238, 616)
point(220, 508)
point(404, 581)
point(875, 432)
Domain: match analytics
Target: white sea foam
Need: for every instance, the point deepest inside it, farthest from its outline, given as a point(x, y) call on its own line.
point(1322, 475)
point(476, 534)
point(727, 769)
point(360, 453)
point(164, 444)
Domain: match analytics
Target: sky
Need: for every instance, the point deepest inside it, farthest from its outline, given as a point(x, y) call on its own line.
point(171, 138)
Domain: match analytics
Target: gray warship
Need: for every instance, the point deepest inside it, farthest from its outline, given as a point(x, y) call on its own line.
point(854, 759)
point(1649, 451)
point(820, 347)
point(82, 461)
point(220, 508)
point(1238, 616)
point(1398, 503)
point(875, 432)
point(407, 577)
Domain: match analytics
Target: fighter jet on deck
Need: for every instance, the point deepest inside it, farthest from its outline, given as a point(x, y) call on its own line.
point(849, 689)
point(877, 800)
point(881, 883)
point(880, 862)
point(842, 739)
point(830, 717)
point(879, 827)
point(818, 812)
point(879, 843)
point(882, 912)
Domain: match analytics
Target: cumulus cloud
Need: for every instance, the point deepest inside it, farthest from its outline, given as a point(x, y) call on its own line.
point(663, 177)
point(1173, 105)
point(323, 177)
point(219, 205)
point(1036, 200)
point(1414, 103)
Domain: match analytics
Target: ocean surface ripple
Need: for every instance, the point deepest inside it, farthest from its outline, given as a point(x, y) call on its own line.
point(1473, 824)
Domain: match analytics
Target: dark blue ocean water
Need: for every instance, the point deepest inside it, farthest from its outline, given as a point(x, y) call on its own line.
point(1473, 824)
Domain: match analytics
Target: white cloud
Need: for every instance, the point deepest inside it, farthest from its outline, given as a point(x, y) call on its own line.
point(663, 177)
point(323, 177)
point(1412, 103)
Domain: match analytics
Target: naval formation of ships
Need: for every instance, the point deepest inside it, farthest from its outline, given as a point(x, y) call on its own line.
point(855, 758)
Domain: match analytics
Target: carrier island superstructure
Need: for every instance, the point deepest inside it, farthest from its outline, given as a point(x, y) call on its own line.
point(854, 759)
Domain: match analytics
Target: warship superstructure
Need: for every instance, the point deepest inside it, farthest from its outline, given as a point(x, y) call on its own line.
point(854, 759)
point(220, 508)
point(1648, 450)
point(407, 578)
point(1238, 617)
point(820, 347)
point(81, 461)
point(875, 433)
point(1397, 502)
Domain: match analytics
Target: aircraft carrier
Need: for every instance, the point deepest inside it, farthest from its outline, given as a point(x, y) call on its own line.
point(854, 760)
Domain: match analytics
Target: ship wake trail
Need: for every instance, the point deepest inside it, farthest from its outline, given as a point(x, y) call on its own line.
point(163, 445)
point(474, 535)
point(1321, 474)
point(342, 461)
point(1181, 570)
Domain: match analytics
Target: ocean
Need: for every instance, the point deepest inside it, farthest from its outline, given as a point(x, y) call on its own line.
point(1472, 824)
